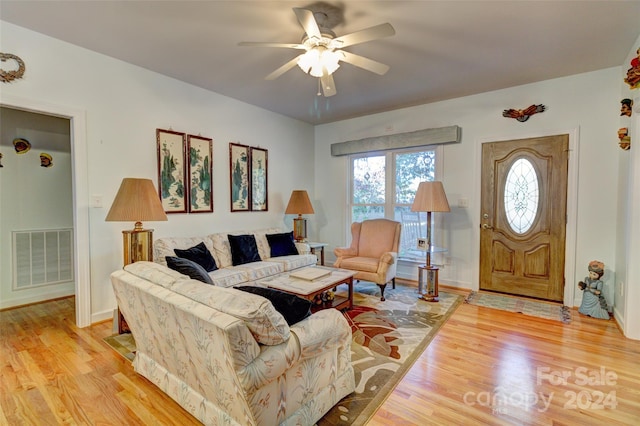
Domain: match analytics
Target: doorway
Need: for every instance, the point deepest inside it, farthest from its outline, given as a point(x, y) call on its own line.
point(523, 216)
point(80, 195)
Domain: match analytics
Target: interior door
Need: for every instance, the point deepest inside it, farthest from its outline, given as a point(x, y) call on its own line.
point(523, 216)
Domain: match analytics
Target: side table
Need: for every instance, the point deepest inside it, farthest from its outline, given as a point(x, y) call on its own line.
point(320, 247)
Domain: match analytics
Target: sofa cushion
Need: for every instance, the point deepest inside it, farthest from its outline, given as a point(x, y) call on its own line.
point(199, 254)
point(243, 249)
point(258, 270)
point(189, 267)
point(289, 263)
point(292, 307)
point(282, 244)
point(164, 246)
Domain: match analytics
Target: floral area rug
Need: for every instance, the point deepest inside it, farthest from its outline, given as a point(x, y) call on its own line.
point(387, 339)
point(535, 308)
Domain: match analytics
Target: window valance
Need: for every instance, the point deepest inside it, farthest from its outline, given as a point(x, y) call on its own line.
point(440, 135)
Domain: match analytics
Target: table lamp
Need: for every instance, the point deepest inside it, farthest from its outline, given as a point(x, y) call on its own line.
point(299, 204)
point(137, 200)
point(430, 197)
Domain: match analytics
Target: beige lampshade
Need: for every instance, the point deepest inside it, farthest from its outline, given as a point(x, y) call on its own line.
point(137, 200)
point(430, 198)
point(299, 203)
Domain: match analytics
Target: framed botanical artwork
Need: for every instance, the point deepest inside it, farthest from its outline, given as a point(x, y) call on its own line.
point(239, 177)
point(172, 170)
point(199, 173)
point(259, 194)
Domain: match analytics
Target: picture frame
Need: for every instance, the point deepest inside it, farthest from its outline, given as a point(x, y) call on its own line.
point(172, 170)
point(239, 177)
point(200, 168)
point(259, 180)
point(421, 243)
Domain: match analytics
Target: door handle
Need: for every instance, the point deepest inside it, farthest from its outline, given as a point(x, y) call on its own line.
point(486, 226)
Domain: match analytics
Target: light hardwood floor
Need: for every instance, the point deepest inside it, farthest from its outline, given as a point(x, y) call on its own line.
point(483, 367)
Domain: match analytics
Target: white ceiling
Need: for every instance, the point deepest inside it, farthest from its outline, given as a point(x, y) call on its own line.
point(441, 50)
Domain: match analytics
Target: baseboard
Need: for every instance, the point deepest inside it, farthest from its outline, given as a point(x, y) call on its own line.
point(102, 316)
point(29, 300)
point(619, 318)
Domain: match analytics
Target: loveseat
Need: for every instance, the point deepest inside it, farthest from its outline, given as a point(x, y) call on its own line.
point(228, 272)
point(227, 356)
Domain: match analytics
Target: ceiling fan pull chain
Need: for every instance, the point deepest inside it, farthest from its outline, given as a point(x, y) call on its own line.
point(319, 88)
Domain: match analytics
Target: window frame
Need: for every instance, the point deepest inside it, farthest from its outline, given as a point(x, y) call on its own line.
point(390, 204)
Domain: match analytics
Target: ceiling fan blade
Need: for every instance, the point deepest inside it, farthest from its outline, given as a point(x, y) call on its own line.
point(368, 34)
point(328, 85)
point(286, 67)
point(308, 22)
point(365, 63)
point(267, 44)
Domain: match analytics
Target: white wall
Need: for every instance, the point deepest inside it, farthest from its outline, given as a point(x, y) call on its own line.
point(628, 233)
point(585, 105)
point(124, 105)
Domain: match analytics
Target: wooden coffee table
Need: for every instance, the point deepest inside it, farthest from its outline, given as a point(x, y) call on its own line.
point(310, 289)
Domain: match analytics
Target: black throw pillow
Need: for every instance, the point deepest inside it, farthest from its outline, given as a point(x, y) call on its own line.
point(292, 307)
point(282, 244)
point(199, 254)
point(243, 249)
point(188, 267)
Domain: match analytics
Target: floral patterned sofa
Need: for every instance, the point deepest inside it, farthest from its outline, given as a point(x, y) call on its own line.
point(227, 356)
point(227, 274)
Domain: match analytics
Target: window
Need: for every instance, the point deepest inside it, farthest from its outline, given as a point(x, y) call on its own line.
point(521, 195)
point(383, 185)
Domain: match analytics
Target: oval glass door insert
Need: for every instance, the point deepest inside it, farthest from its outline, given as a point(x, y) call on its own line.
point(521, 195)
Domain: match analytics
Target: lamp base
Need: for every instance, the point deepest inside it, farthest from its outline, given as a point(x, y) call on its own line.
point(137, 245)
point(429, 298)
point(430, 293)
point(299, 229)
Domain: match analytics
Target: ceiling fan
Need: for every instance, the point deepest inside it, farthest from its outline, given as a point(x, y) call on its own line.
point(323, 51)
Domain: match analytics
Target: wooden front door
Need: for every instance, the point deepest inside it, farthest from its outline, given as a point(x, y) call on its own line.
point(523, 216)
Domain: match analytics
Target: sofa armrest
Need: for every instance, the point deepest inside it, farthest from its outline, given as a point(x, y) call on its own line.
point(303, 248)
point(270, 364)
point(345, 252)
point(322, 331)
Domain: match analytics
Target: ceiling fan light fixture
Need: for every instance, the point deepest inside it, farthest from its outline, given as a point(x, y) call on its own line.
point(319, 61)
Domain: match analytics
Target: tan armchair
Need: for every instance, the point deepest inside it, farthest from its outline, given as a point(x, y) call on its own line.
point(373, 252)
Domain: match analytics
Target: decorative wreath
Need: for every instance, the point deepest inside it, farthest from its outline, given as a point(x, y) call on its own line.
point(8, 76)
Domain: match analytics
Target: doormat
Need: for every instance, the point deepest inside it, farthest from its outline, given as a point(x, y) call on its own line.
point(388, 337)
point(534, 308)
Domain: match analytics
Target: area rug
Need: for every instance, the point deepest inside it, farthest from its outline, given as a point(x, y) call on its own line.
point(387, 339)
point(123, 344)
point(535, 308)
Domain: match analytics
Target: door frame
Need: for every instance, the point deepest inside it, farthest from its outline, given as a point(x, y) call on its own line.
point(80, 190)
point(572, 204)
